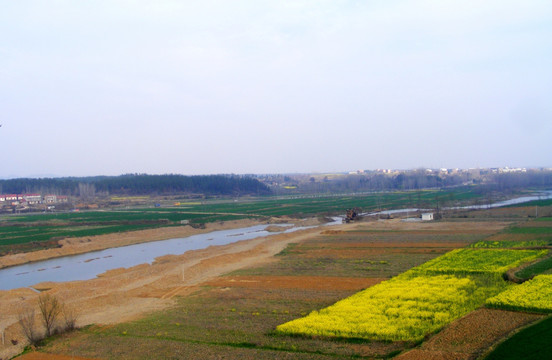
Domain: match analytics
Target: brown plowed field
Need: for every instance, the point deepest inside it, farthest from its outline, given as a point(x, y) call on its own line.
point(470, 336)
point(294, 282)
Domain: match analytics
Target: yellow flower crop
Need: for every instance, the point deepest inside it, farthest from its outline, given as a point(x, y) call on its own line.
point(399, 309)
point(418, 302)
point(533, 295)
point(478, 261)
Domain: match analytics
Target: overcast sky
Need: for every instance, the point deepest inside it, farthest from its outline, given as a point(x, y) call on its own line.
point(203, 87)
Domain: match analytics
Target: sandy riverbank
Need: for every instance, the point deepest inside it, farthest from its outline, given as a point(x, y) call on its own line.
point(123, 294)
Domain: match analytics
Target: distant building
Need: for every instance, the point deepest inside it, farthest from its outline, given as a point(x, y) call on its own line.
point(32, 198)
point(50, 199)
point(54, 199)
point(427, 216)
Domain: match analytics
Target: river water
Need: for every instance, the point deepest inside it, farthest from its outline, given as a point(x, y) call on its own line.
point(89, 265)
point(543, 195)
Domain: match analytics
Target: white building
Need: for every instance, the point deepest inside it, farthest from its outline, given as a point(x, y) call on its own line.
point(427, 216)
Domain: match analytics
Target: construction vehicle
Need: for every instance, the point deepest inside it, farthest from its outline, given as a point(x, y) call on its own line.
point(351, 215)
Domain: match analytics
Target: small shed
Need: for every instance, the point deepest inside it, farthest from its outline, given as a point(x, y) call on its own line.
point(427, 216)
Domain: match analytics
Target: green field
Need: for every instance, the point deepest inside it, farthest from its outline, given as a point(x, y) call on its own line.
point(542, 267)
point(36, 231)
point(532, 343)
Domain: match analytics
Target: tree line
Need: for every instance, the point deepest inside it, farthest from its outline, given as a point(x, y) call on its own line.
point(415, 180)
point(138, 184)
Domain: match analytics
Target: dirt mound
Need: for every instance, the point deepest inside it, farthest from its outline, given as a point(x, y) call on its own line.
point(274, 228)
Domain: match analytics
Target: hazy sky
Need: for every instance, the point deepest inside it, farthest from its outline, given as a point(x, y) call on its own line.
point(202, 87)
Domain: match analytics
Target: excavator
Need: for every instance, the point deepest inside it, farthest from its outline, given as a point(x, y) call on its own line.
point(351, 215)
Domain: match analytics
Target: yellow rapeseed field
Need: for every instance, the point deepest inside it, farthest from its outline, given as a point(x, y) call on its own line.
point(533, 295)
point(400, 309)
point(478, 261)
point(418, 302)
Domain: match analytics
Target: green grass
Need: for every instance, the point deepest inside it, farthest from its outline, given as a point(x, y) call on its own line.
point(529, 230)
point(546, 202)
point(532, 343)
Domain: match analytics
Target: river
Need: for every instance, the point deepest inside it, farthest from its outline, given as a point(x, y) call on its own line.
point(89, 265)
point(543, 195)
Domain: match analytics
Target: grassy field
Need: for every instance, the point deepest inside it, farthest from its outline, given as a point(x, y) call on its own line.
point(20, 233)
point(542, 267)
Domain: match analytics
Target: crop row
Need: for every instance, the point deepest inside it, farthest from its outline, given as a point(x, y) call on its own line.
point(534, 295)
